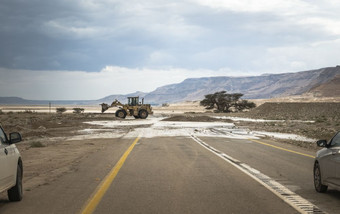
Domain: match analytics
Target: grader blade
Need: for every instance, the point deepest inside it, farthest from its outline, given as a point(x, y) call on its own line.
point(104, 107)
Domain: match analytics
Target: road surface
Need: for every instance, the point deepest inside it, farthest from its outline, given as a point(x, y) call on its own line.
point(180, 175)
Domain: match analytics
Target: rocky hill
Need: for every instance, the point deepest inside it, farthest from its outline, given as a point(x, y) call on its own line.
point(328, 89)
point(255, 87)
point(319, 82)
point(21, 101)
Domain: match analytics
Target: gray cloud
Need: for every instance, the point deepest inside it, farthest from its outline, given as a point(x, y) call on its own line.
point(88, 35)
point(251, 37)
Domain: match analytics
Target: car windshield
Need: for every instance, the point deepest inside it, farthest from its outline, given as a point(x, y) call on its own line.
point(2, 136)
point(336, 140)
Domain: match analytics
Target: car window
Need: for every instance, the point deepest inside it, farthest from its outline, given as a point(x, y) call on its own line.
point(2, 136)
point(336, 140)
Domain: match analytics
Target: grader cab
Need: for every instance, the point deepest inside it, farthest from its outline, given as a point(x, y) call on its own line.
point(132, 108)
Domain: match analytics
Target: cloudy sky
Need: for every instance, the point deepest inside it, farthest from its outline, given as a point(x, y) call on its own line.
point(88, 49)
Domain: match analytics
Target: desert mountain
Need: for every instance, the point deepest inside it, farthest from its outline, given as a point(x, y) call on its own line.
point(328, 89)
point(255, 87)
point(319, 82)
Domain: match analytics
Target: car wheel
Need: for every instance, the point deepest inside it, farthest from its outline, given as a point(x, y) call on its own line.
point(15, 193)
point(319, 187)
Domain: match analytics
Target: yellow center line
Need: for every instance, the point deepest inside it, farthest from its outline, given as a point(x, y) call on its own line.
point(277, 147)
point(106, 183)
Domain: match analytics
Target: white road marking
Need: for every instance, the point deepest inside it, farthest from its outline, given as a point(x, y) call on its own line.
point(291, 198)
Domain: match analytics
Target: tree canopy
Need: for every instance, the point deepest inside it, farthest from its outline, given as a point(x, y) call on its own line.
point(224, 102)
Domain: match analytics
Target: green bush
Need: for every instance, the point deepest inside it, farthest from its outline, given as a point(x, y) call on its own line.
point(78, 110)
point(61, 110)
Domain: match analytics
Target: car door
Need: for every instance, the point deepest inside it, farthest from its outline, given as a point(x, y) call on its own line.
point(5, 171)
point(333, 161)
point(327, 171)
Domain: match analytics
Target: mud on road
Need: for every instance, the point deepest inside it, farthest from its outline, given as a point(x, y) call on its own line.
point(53, 144)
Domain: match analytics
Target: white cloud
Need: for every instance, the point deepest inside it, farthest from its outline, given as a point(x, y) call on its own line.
point(282, 6)
point(161, 58)
point(299, 58)
point(327, 24)
point(321, 14)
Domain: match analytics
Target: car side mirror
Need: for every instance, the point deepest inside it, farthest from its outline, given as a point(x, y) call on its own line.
point(14, 137)
point(322, 143)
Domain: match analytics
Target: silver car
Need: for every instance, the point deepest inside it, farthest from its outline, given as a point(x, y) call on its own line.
point(327, 165)
point(10, 165)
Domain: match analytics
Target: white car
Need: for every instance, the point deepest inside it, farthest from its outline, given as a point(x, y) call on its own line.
point(327, 164)
point(11, 169)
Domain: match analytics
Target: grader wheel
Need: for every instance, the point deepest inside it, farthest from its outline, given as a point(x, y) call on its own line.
point(121, 113)
point(143, 114)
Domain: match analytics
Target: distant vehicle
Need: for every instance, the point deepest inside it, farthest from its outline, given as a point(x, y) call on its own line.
point(11, 169)
point(133, 108)
point(327, 164)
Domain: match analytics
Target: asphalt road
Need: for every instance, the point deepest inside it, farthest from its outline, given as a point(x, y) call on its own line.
point(178, 175)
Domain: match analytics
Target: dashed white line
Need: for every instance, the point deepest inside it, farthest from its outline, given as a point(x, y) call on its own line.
point(291, 198)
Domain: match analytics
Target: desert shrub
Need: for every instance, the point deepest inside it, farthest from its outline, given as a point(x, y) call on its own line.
point(36, 144)
point(321, 119)
point(27, 111)
point(165, 105)
point(223, 102)
point(10, 112)
point(61, 110)
point(78, 110)
point(1, 112)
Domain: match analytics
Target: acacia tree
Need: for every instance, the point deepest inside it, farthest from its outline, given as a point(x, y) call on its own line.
point(223, 102)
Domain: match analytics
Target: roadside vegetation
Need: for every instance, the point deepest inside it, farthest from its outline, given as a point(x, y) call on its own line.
point(223, 102)
point(61, 110)
point(78, 110)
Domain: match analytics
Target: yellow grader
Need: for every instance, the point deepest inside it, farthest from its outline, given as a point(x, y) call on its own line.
point(133, 108)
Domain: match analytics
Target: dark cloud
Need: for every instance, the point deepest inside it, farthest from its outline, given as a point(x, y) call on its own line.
point(89, 35)
point(141, 45)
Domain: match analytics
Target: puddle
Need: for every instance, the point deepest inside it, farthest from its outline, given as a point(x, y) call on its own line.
point(159, 128)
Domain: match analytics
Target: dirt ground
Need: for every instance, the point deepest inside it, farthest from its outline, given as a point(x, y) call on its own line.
point(324, 118)
point(48, 152)
point(316, 120)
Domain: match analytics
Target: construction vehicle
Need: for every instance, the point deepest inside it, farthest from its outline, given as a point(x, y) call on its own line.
point(133, 108)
